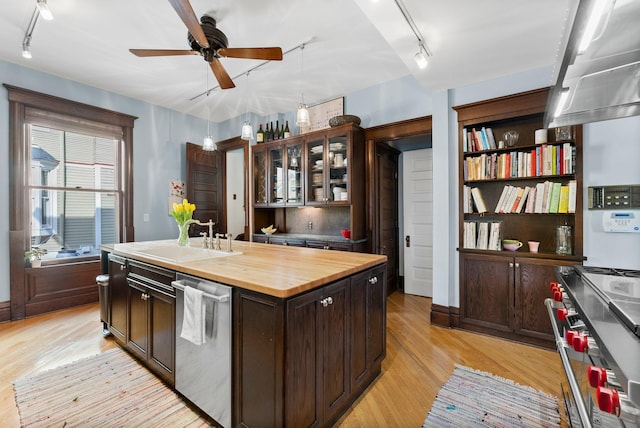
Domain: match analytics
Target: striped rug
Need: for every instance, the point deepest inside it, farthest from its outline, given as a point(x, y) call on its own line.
point(107, 390)
point(471, 398)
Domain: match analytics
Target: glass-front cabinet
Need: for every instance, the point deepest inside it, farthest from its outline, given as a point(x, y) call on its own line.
point(328, 178)
point(278, 175)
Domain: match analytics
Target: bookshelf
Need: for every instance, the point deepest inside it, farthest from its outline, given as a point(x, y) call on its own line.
point(522, 190)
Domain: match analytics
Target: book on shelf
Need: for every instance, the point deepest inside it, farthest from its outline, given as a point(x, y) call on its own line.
point(563, 204)
point(523, 199)
point(491, 138)
point(465, 144)
point(531, 201)
point(466, 200)
point(478, 200)
point(554, 198)
point(503, 195)
point(483, 236)
point(469, 234)
point(494, 236)
point(571, 207)
point(516, 200)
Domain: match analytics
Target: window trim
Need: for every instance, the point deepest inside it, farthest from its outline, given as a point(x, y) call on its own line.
point(25, 103)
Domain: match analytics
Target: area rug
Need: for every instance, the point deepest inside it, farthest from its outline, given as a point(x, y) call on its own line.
point(471, 398)
point(106, 390)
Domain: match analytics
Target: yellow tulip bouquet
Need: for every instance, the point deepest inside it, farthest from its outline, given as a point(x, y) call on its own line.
point(183, 214)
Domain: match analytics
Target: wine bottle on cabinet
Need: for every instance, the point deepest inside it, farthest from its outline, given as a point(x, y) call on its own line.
point(282, 131)
point(272, 135)
point(276, 132)
point(267, 132)
point(286, 132)
point(260, 135)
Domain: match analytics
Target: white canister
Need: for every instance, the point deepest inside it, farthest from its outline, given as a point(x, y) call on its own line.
point(338, 160)
point(541, 136)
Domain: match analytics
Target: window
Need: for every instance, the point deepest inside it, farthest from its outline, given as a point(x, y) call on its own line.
point(71, 190)
point(74, 193)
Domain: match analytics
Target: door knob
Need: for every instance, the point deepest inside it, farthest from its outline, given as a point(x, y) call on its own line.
point(407, 241)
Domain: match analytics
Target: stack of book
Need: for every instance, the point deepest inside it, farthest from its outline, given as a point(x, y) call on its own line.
point(543, 198)
point(482, 235)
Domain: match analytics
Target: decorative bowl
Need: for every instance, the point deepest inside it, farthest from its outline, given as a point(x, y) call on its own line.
point(345, 118)
point(269, 230)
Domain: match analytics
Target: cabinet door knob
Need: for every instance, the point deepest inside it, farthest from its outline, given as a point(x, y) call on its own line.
point(517, 265)
point(121, 267)
point(324, 303)
point(329, 300)
point(373, 280)
point(510, 264)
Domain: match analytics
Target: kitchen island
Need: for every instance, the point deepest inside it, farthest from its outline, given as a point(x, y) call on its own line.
point(307, 325)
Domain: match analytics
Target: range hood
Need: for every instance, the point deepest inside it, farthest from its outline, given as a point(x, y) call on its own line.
point(603, 81)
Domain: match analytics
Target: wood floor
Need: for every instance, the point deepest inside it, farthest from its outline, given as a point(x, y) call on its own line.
point(419, 360)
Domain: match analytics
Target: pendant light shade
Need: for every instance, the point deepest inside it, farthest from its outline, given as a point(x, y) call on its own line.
point(302, 115)
point(208, 144)
point(247, 131)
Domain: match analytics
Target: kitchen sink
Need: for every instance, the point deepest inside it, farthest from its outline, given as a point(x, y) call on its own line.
point(176, 254)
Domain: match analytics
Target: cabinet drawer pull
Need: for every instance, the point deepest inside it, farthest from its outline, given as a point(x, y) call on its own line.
point(373, 280)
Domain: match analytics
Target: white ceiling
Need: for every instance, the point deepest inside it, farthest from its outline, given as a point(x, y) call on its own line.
point(354, 44)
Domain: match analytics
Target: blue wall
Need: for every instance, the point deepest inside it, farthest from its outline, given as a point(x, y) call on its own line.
point(160, 135)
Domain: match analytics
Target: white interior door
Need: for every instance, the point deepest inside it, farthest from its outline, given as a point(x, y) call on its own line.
point(417, 198)
point(235, 192)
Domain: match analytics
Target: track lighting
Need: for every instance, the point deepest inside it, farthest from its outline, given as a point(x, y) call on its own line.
point(26, 48)
point(44, 10)
point(422, 57)
point(302, 115)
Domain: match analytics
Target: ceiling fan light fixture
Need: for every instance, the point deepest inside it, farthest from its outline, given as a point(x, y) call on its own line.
point(45, 12)
point(302, 115)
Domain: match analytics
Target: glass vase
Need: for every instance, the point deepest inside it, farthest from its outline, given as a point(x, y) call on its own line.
point(183, 234)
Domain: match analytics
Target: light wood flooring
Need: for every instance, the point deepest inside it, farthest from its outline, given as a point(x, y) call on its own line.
point(419, 360)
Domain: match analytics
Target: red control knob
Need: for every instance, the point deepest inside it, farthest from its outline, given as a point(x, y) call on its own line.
point(557, 295)
point(569, 335)
point(608, 400)
point(580, 343)
point(597, 376)
point(562, 314)
point(553, 285)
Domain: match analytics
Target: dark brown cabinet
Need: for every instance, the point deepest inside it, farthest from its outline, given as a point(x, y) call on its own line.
point(118, 292)
point(503, 292)
point(324, 168)
point(302, 361)
point(152, 317)
point(368, 326)
point(317, 357)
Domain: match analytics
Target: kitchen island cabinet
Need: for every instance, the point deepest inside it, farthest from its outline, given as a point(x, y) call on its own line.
point(307, 326)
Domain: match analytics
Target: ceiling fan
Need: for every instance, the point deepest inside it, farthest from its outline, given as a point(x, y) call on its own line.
point(207, 40)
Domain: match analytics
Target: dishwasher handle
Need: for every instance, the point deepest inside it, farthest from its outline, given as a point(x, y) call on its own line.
point(180, 284)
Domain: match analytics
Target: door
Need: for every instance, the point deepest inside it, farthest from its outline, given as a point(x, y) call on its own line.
point(418, 221)
point(235, 191)
point(204, 186)
point(387, 210)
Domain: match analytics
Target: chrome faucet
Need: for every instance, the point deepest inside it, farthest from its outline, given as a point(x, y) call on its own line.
point(217, 245)
point(229, 236)
point(207, 243)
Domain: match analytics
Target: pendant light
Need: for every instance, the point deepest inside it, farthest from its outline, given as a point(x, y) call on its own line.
point(247, 130)
point(302, 115)
point(208, 145)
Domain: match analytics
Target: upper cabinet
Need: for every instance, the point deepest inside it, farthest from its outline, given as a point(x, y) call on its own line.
point(324, 168)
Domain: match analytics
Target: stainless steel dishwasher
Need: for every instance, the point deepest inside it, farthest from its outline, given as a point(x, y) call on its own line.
point(203, 372)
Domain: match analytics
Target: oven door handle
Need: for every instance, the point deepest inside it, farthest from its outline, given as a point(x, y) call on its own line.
point(568, 370)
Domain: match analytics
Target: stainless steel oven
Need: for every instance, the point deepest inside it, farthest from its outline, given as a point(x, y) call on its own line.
point(599, 349)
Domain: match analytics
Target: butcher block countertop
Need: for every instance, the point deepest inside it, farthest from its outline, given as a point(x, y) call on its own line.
point(280, 271)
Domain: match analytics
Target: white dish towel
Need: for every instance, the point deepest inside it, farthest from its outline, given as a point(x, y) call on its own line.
point(193, 321)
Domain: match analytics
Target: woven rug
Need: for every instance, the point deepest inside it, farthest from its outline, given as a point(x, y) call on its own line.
point(107, 390)
point(471, 398)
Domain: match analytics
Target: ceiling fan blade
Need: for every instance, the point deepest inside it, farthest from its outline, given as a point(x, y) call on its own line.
point(162, 52)
point(221, 74)
point(273, 54)
point(185, 12)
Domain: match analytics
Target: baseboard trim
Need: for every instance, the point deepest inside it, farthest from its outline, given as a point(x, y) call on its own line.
point(5, 311)
point(445, 316)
